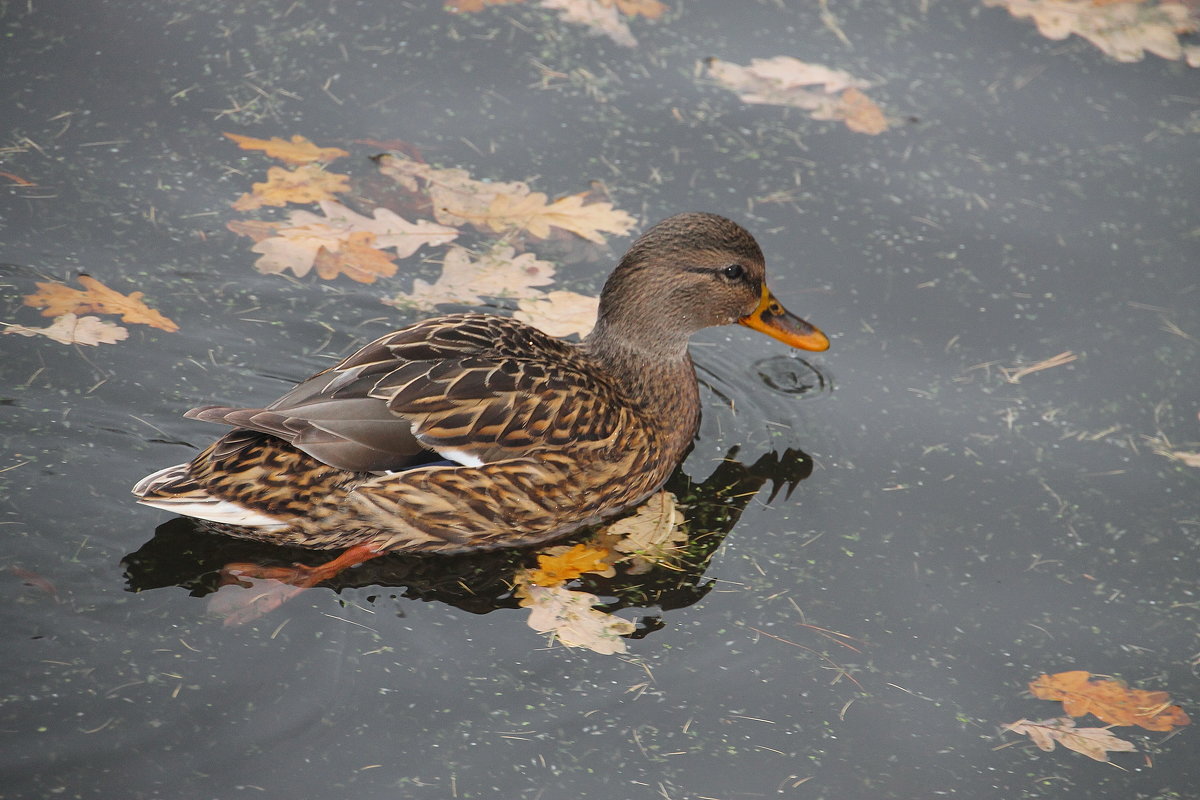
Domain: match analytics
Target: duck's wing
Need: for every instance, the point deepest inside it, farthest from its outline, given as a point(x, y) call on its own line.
point(469, 388)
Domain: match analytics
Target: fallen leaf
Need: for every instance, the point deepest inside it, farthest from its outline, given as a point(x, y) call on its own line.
point(307, 184)
point(1094, 743)
point(497, 273)
point(828, 94)
point(468, 6)
point(498, 206)
point(570, 616)
point(70, 329)
point(1110, 700)
point(1124, 31)
point(558, 565)
point(559, 313)
point(650, 9)
point(298, 151)
point(57, 299)
point(602, 19)
point(652, 535)
point(340, 242)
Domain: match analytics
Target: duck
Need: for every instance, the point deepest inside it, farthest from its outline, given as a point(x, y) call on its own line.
point(474, 431)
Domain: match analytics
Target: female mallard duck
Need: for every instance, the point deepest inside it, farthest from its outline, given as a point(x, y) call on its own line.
point(473, 431)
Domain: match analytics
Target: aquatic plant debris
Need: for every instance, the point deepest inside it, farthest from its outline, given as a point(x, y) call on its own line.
point(827, 94)
point(72, 329)
point(1124, 30)
point(56, 298)
point(1109, 700)
point(1095, 743)
point(1014, 374)
point(298, 151)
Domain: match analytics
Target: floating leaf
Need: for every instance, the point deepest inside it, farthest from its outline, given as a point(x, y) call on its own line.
point(559, 313)
point(1124, 31)
point(651, 9)
point(298, 151)
point(497, 273)
point(1094, 743)
point(498, 206)
point(651, 535)
point(307, 184)
point(57, 299)
point(828, 94)
point(70, 329)
point(570, 616)
point(1110, 700)
point(560, 564)
point(467, 6)
point(600, 17)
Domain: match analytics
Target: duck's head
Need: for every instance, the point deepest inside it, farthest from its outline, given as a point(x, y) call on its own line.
point(688, 272)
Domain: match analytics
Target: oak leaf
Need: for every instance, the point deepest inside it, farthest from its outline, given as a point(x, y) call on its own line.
point(468, 6)
point(559, 313)
point(56, 299)
point(650, 9)
point(1110, 700)
point(827, 94)
point(1094, 743)
point(298, 151)
point(70, 329)
point(499, 272)
point(651, 535)
point(307, 184)
point(600, 17)
point(558, 565)
point(571, 618)
point(356, 258)
point(1124, 31)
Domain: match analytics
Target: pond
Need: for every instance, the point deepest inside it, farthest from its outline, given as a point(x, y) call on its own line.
point(992, 474)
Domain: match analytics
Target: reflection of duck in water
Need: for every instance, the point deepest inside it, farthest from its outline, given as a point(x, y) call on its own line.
point(183, 554)
point(545, 435)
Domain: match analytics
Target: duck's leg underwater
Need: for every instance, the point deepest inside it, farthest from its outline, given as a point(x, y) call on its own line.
point(279, 584)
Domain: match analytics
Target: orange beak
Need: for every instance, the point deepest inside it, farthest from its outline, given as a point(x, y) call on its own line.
point(771, 318)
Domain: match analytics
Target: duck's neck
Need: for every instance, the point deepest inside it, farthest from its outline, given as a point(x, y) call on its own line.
point(656, 371)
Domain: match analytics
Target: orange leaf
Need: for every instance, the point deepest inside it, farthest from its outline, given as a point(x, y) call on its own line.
point(467, 6)
point(356, 259)
point(57, 299)
point(307, 184)
point(298, 151)
point(554, 569)
point(650, 9)
point(1110, 700)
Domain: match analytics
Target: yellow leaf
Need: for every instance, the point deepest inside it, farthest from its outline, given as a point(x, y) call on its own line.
point(559, 313)
point(57, 299)
point(356, 259)
point(561, 564)
point(307, 184)
point(298, 151)
point(70, 329)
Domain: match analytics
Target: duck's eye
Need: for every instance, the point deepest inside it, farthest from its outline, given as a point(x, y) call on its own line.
point(734, 272)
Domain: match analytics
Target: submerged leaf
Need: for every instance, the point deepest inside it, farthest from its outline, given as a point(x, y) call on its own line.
point(70, 329)
point(570, 616)
point(1094, 743)
point(57, 299)
point(1110, 700)
point(298, 151)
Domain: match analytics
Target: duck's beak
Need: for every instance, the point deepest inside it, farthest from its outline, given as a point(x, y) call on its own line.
point(777, 322)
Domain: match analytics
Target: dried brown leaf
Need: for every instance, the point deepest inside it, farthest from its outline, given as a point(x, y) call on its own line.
point(56, 299)
point(1112, 701)
point(1095, 743)
point(298, 151)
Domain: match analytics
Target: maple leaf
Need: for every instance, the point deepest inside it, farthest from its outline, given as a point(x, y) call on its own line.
point(602, 19)
point(70, 329)
point(497, 273)
point(57, 299)
point(1110, 700)
point(1124, 31)
point(1094, 743)
point(828, 94)
point(651, 535)
point(558, 565)
point(499, 206)
point(570, 616)
point(298, 151)
point(307, 184)
point(559, 313)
